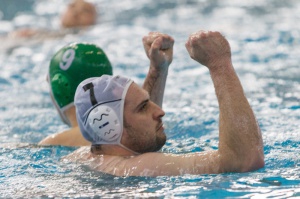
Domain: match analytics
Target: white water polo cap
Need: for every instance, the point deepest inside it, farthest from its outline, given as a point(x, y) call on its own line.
point(99, 108)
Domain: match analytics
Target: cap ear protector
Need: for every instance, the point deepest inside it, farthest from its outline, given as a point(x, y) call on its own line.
point(61, 88)
point(105, 123)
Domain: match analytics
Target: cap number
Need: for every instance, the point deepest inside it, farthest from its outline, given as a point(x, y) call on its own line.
point(90, 86)
point(67, 59)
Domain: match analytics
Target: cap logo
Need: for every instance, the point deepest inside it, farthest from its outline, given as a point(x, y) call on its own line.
point(67, 59)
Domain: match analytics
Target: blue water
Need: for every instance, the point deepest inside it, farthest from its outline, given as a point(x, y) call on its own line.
point(265, 42)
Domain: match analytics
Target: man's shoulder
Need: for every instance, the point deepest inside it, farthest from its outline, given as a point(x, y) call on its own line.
point(79, 155)
point(68, 137)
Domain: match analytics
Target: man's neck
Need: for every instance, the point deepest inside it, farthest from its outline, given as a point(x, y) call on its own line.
point(114, 150)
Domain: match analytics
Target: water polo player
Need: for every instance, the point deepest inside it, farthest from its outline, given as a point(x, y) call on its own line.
point(126, 130)
point(68, 67)
point(76, 62)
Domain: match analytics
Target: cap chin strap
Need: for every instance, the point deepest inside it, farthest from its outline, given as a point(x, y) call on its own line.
point(126, 148)
point(62, 114)
point(61, 111)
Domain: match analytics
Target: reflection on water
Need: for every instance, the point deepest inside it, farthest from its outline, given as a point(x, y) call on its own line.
point(265, 40)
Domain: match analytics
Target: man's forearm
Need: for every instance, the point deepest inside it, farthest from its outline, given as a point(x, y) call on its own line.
point(159, 50)
point(155, 83)
point(239, 131)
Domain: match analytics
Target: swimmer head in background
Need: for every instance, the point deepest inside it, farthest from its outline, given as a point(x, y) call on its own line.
point(99, 106)
point(79, 13)
point(71, 65)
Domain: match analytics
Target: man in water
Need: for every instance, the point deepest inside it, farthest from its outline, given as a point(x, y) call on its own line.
point(76, 62)
point(126, 130)
point(79, 14)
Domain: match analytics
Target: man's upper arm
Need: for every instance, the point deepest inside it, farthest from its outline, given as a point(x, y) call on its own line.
point(163, 164)
point(70, 137)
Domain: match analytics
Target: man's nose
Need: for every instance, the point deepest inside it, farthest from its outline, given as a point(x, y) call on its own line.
point(158, 112)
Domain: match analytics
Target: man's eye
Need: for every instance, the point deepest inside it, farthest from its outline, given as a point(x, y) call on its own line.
point(144, 107)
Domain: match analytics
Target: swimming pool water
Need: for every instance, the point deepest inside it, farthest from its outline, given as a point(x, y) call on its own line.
point(265, 42)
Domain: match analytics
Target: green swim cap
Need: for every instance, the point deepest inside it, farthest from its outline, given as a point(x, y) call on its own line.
point(70, 66)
